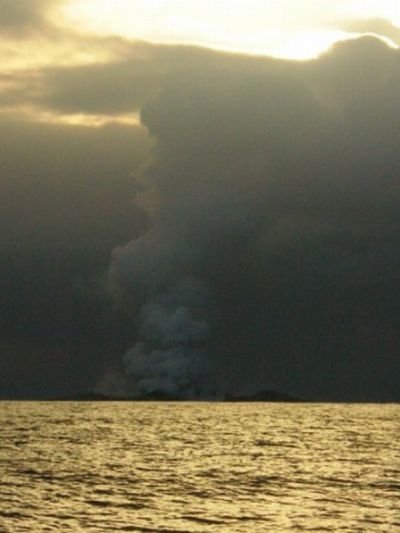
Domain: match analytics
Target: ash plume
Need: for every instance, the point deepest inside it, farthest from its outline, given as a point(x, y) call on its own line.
point(272, 196)
point(171, 354)
point(173, 310)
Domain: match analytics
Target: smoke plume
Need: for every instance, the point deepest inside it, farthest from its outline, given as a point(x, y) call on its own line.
point(272, 203)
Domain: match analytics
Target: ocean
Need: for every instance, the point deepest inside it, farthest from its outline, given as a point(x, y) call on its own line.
point(97, 467)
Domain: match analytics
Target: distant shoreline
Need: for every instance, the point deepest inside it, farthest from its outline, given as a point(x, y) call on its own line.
point(266, 396)
point(96, 398)
point(160, 396)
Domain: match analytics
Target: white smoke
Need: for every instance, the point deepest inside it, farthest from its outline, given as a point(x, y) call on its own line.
point(177, 327)
point(170, 355)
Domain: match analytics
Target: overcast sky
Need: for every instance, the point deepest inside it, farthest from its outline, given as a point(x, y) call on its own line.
point(200, 219)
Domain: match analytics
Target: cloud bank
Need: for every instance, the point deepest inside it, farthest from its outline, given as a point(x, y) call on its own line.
point(251, 212)
point(273, 184)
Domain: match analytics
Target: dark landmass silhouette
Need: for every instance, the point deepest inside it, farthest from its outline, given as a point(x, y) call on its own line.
point(161, 396)
point(263, 396)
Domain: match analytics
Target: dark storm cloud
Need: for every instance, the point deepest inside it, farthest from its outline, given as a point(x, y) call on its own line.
point(271, 252)
point(67, 199)
point(120, 86)
point(78, 88)
point(65, 186)
point(275, 187)
point(114, 86)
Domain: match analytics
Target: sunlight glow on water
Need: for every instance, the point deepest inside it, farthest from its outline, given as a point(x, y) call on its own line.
point(198, 467)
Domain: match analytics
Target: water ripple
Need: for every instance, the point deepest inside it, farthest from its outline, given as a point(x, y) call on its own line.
point(191, 468)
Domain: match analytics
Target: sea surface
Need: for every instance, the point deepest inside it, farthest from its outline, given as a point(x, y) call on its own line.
point(97, 467)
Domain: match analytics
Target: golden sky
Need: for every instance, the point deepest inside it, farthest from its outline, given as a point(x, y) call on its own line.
point(65, 33)
point(297, 29)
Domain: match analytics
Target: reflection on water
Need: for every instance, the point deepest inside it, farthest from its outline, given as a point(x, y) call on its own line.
point(198, 467)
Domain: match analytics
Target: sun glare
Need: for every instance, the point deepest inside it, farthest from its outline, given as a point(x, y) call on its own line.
point(85, 120)
point(306, 45)
point(287, 28)
point(39, 115)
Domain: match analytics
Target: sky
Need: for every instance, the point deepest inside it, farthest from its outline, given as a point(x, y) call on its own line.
point(285, 28)
point(200, 198)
